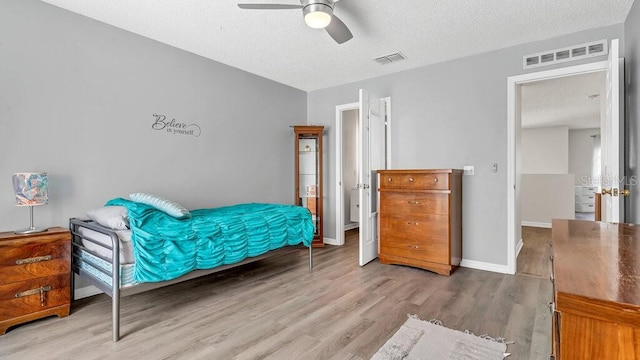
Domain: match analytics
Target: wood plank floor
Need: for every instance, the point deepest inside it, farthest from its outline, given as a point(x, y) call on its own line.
point(278, 309)
point(534, 256)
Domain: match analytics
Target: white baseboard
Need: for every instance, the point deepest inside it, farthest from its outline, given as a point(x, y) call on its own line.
point(351, 226)
point(86, 292)
point(536, 224)
point(519, 247)
point(479, 265)
point(330, 241)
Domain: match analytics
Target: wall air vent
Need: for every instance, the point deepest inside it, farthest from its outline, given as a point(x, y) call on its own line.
point(387, 59)
point(577, 52)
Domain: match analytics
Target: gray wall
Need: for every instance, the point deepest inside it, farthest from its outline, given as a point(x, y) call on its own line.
point(581, 155)
point(77, 99)
point(449, 115)
point(632, 76)
point(545, 150)
point(545, 197)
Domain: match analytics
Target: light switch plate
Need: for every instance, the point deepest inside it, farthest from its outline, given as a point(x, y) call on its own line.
point(468, 170)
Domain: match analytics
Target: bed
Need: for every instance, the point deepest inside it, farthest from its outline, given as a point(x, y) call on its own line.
point(128, 247)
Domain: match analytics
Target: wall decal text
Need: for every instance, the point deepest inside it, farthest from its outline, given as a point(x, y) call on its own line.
point(174, 127)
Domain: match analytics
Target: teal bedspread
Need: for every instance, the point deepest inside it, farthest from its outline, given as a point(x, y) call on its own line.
point(166, 248)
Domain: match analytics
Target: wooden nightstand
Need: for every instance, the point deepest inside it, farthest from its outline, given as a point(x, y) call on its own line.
point(35, 276)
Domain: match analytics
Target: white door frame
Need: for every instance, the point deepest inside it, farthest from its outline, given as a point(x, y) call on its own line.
point(339, 193)
point(512, 114)
point(339, 210)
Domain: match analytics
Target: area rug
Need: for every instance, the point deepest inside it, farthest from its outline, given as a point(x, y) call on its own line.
point(421, 340)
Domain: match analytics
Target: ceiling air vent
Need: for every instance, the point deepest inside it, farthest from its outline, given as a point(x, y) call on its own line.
point(571, 53)
point(387, 59)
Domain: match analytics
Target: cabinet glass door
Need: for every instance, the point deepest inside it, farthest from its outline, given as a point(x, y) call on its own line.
point(308, 176)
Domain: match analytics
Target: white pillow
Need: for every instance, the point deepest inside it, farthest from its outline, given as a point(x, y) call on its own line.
point(169, 207)
point(113, 217)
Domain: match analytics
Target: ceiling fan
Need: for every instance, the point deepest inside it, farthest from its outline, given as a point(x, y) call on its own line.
point(318, 14)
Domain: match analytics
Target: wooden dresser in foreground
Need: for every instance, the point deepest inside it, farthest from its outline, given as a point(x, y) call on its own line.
point(35, 276)
point(596, 269)
point(420, 214)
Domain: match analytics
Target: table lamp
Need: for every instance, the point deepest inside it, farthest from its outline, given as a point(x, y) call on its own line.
point(31, 190)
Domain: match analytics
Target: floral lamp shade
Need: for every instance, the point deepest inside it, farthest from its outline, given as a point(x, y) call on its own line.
point(31, 188)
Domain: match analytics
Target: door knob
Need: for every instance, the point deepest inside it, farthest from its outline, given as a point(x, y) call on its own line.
point(616, 192)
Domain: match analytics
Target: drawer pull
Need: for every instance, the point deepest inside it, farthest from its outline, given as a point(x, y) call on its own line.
point(413, 202)
point(411, 223)
point(435, 179)
point(389, 179)
point(33, 260)
point(41, 290)
point(413, 246)
point(410, 179)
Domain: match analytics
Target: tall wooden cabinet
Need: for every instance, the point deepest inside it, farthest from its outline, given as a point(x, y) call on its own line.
point(596, 292)
point(308, 175)
point(420, 214)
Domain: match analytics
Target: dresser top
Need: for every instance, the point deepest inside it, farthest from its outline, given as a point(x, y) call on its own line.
point(597, 261)
point(421, 171)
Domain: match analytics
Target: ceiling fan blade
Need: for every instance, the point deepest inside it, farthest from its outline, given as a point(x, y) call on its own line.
point(338, 30)
point(269, 6)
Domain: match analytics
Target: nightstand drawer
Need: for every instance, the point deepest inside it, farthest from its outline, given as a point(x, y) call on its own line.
point(34, 260)
point(24, 297)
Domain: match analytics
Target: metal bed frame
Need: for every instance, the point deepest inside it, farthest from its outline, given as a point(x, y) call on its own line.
point(114, 291)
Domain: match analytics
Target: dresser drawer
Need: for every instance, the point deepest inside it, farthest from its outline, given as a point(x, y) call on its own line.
point(585, 199)
point(406, 204)
point(585, 207)
point(422, 236)
point(586, 190)
point(435, 181)
point(434, 249)
point(34, 260)
point(23, 297)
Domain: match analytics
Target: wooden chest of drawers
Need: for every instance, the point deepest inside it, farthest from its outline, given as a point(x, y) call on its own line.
point(421, 218)
point(35, 276)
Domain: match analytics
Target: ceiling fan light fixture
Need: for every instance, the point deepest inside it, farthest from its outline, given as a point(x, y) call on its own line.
point(317, 16)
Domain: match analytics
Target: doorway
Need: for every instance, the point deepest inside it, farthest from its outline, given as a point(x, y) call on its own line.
point(560, 147)
point(514, 161)
point(611, 160)
point(347, 147)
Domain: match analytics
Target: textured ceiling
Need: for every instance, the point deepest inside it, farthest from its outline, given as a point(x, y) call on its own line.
point(573, 101)
point(277, 45)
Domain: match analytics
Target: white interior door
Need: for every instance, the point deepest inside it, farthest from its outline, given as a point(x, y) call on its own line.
point(612, 174)
point(371, 132)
